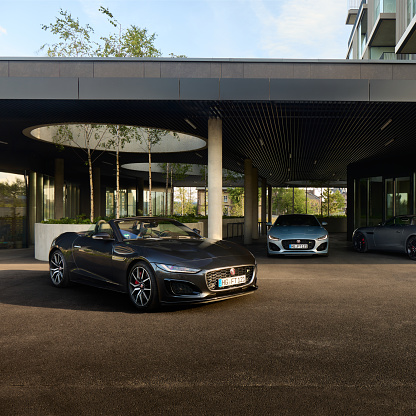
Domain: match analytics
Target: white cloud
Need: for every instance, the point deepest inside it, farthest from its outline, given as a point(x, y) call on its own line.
point(302, 29)
point(3, 31)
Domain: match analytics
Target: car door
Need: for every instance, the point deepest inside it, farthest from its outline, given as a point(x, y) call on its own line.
point(93, 255)
point(389, 235)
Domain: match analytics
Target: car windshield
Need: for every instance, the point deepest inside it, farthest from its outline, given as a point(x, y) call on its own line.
point(285, 220)
point(133, 229)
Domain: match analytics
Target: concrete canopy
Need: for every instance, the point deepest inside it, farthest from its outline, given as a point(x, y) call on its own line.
point(299, 122)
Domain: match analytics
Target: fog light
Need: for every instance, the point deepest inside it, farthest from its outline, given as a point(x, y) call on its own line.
point(183, 288)
point(274, 247)
point(322, 247)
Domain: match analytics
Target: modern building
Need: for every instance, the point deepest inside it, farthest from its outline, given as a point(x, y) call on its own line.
point(334, 123)
point(382, 29)
point(383, 187)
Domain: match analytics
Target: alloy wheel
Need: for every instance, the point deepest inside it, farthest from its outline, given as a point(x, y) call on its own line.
point(140, 286)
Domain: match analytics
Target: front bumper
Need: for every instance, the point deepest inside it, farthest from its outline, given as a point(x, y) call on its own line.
point(187, 288)
point(282, 247)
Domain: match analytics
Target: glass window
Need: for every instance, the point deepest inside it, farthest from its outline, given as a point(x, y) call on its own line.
point(403, 200)
point(48, 198)
point(375, 201)
point(411, 10)
point(12, 211)
point(109, 202)
point(389, 198)
point(361, 192)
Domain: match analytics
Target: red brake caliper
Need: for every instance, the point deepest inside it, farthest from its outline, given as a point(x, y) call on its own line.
point(136, 282)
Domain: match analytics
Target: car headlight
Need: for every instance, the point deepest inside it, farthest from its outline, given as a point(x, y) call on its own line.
point(324, 237)
point(270, 237)
point(177, 269)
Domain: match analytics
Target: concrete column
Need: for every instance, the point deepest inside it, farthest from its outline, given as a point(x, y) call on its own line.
point(255, 203)
point(96, 178)
point(263, 206)
point(215, 178)
point(59, 189)
point(248, 202)
point(39, 198)
point(269, 204)
point(32, 207)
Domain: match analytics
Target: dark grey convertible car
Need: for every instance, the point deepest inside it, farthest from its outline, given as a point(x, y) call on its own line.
point(396, 234)
point(154, 260)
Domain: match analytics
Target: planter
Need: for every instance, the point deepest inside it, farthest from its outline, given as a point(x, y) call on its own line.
point(45, 233)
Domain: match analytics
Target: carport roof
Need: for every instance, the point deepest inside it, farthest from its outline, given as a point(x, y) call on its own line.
point(299, 122)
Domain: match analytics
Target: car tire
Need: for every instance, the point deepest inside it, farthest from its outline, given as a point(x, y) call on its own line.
point(142, 287)
point(58, 269)
point(359, 242)
point(411, 248)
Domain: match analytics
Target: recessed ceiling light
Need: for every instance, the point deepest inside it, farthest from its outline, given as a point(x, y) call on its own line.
point(3, 142)
point(386, 124)
point(190, 123)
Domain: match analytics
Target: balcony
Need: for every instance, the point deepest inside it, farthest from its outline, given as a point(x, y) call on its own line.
point(353, 9)
point(407, 43)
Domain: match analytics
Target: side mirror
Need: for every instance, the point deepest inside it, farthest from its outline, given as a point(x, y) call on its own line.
point(195, 230)
point(102, 236)
point(324, 223)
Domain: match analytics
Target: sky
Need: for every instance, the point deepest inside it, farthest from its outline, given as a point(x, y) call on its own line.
point(277, 29)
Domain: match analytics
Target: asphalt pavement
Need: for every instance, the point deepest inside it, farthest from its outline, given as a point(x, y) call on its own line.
point(321, 336)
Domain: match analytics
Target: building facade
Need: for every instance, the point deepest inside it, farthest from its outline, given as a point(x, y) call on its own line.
point(382, 29)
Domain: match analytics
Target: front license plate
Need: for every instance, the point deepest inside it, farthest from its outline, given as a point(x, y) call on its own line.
point(298, 246)
point(231, 281)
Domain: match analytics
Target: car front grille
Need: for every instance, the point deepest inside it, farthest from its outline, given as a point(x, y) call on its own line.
point(310, 243)
point(213, 276)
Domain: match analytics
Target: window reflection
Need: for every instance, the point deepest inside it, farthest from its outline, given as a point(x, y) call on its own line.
point(12, 211)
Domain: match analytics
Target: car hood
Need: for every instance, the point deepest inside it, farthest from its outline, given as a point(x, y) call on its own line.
point(297, 231)
point(203, 253)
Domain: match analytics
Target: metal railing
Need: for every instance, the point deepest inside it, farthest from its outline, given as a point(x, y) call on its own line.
point(238, 227)
point(355, 4)
point(359, 7)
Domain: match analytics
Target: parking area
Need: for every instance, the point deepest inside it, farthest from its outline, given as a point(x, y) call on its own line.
point(321, 336)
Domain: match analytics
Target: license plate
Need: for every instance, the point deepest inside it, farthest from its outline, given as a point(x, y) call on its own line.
point(231, 281)
point(298, 246)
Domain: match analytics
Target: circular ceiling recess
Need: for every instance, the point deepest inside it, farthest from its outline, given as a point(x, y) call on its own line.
point(193, 170)
point(76, 135)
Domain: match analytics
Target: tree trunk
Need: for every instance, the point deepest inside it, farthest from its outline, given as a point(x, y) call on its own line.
point(150, 180)
point(91, 186)
point(167, 188)
point(118, 183)
point(172, 199)
point(205, 193)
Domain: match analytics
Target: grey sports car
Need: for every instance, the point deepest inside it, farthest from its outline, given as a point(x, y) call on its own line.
point(396, 234)
point(297, 234)
point(155, 260)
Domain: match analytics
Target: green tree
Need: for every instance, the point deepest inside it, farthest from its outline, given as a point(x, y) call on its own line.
point(334, 200)
point(176, 172)
point(88, 139)
point(236, 195)
point(119, 136)
point(288, 200)
point(77, 40)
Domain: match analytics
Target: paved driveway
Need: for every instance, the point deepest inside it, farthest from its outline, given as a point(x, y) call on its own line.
point(321, 336)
